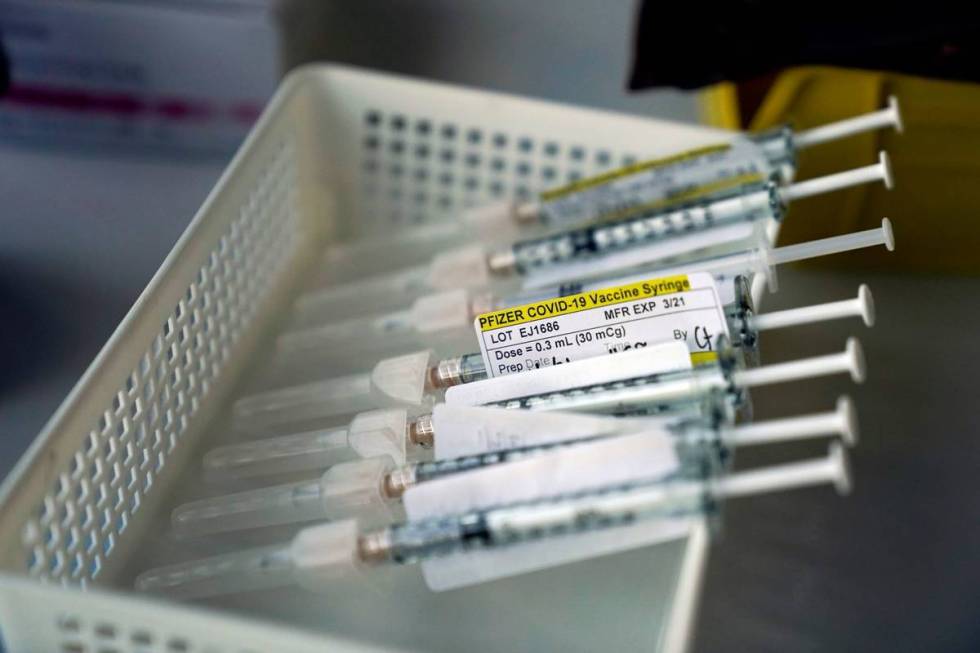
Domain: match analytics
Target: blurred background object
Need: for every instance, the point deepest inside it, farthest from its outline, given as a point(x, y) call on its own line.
point(118, 119)
point(574, 51)
point(188, 78)
point(4, 69)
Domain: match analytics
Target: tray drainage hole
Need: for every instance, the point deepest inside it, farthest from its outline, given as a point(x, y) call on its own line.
point(105, 631)
point(142, 638)
point(69, 624)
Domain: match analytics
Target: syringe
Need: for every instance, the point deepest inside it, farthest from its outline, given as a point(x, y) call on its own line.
point(663, 392)
point(597, 251)
point(330, 551)
point(371, 489)
point(309, 352)
point(600, 249)
point(673, 179)
point(446, 432)
point(755, 261)
point(416, 380)
point(444, 321)
point(699, 174)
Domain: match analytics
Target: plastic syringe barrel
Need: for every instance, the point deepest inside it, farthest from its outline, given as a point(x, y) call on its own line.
point(398, 381)
point(364, 332)
point(285, 454)
point(230, 573)
point(303, 403)
point(346, 490)
point(282, 504)
point(393, 289)
point(374, 433)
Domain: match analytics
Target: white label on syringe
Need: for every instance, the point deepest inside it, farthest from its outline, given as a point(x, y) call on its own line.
point(473, 430)
point(648, 454)
point(597, 322)
point(655, 184)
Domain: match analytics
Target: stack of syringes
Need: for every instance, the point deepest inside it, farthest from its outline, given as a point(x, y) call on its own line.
point(540, 383)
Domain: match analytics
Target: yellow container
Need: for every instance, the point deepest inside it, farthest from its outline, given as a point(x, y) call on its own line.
point(934, 206)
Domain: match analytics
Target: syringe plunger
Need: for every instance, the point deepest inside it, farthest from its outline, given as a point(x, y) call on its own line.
point(832, 469)
point(882, 235)
point(861, 306)
point(888, 117)
point(851, 360)
point(842, 421)
point(880, 171)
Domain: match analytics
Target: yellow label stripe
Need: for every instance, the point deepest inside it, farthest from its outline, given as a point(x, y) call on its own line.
point(703, 357)
point(693, 194)
point(633, 168)
point(583, 301)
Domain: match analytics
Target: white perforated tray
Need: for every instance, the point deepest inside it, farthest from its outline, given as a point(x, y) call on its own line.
point(337, 152)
